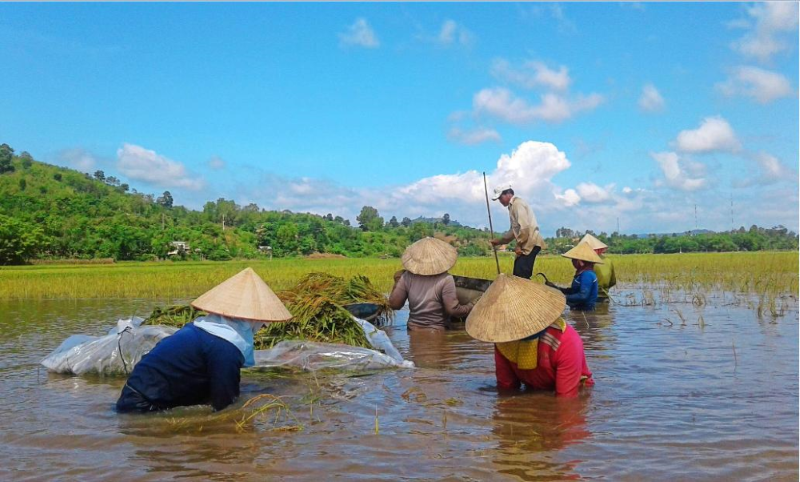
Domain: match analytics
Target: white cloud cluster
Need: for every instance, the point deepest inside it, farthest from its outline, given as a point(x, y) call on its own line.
point(474, 136)
point(138, 163)
point(501, 103)
point(764, 86)
point(532, 74)
point(216, 163)
point(453, 33)
point(680, 173)
point(651, 100)
point(359, 34)
point(714, 134)
point(767, 23)
point(78, 158)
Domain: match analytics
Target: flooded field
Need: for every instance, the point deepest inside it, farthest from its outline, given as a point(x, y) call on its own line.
point(686, 388)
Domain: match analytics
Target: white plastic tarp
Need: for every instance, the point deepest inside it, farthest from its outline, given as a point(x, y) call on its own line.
point(115, 354)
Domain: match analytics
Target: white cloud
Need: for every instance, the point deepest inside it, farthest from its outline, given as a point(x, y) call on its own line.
point(592, 193)
point(770, 171)
point(454, 33)
point(771, 20)
point(78, 158)
point(359, 34)
point(569, 198)
point(216, 163)
point(680, 173)
point(138, 163)
point(651, 100)
point(532, 74)
point(473, 137)
point(762, 85)
point(554, 108)
point(714, 134)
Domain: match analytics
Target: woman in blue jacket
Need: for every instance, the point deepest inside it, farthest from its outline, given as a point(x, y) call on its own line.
point(200, 363)
point(582, 295)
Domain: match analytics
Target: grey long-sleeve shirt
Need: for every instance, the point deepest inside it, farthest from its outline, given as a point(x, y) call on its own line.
point(431, 300)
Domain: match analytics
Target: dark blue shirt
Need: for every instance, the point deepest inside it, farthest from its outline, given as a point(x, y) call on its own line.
point(582, 295)
point(191, 367)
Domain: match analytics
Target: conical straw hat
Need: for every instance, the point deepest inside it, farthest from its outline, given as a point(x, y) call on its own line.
point(429, 256)
point(583, 252)
point(244, 295)
point(593, 242)
point(514, 308)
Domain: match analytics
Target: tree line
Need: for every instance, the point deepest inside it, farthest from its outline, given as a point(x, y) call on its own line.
point(50, 212)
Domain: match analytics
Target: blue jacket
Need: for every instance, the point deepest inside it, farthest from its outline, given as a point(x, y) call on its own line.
point(190, 367)
point(582, 295)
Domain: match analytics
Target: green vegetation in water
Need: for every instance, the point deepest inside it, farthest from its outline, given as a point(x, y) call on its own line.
point(317, 305)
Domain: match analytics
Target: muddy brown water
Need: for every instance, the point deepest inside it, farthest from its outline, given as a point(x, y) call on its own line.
point(716, 400)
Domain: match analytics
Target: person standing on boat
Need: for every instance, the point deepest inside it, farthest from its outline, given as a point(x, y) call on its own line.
point(582, 295)
point(606, 277)
point(534, 346)
point(200, 363)
point(428, 287)
point(524, 230)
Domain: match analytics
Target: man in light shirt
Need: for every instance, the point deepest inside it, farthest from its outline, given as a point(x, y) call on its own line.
point(524, 230)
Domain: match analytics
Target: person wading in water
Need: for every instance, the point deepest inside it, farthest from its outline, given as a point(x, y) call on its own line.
point(200, 363)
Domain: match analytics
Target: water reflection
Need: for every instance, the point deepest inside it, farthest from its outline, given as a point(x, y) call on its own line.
point(725, 392)
point(530, 430)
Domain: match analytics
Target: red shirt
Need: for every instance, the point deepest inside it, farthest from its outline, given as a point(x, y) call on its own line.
point(561, 365)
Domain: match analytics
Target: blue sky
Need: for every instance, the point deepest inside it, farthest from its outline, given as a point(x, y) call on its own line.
point(592, 112)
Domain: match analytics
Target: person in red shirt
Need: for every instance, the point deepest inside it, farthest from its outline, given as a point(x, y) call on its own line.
point(533, 344)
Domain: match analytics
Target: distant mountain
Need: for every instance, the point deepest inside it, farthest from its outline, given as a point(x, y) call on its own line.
point(435, 220)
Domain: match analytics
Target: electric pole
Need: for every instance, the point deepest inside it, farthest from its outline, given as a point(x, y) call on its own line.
point(695, 218)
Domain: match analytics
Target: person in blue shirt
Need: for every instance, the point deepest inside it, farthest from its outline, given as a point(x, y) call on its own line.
point(200, 363)
point(582, 295)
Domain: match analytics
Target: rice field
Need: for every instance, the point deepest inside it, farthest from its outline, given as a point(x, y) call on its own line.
point(765, 274)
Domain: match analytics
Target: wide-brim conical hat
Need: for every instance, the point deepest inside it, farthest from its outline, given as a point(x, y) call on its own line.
point(514, 308)
point(429, 256)
point(593, 242)
point(583, 252)
point(246, 296)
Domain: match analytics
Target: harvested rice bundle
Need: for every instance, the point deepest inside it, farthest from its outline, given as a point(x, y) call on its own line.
point(316, 318)
point(317, 306)
point(177, 315)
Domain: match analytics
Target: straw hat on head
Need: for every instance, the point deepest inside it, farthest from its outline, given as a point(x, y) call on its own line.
point(583, 252)
point(429, 256)
point(514, 308)
point(593, 242)
point(246, 296)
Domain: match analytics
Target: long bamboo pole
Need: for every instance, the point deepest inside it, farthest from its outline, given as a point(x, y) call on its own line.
point(491, 229)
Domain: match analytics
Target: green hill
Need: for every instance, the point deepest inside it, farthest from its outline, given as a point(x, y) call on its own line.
point(50, 212)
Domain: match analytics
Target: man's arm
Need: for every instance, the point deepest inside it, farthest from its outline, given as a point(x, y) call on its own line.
point(450, 300)
point(581, 295)
point(399, 294)
point(568, 370)
point(224, 363)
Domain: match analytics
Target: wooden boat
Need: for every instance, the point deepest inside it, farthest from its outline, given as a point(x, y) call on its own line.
point(365, 311)
point(469, 290)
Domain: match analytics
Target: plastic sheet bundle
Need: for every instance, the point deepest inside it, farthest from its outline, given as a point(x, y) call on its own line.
point(116, 354)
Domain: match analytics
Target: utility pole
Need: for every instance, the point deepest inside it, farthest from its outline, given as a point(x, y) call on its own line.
point(223, 222)
point(618, 233)
point(732, 225)
point(695, 218)
point(162, 221)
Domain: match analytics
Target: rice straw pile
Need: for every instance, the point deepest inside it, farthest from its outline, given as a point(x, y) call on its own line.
point(317, 303)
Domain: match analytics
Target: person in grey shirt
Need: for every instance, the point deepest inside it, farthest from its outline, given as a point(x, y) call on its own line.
point(428, 287)
point(524, 230)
